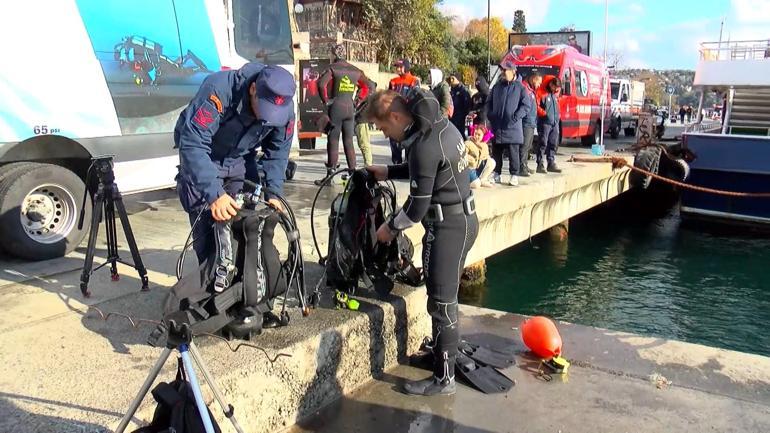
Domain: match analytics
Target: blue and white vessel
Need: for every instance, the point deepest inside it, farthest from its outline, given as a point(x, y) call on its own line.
point(733, 156)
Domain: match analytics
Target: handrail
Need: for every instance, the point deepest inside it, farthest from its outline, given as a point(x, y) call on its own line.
point(756, 49)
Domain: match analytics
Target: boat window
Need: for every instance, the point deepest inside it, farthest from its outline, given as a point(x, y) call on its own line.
point(262, 31)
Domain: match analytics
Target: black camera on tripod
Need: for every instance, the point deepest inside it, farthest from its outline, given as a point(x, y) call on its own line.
point(103, 166)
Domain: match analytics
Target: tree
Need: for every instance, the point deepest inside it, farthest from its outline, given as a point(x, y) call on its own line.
point(614, 59)
point(568, 28)
point(473, 52)
point(412, 29)
point(477, 28)
point(519, 22)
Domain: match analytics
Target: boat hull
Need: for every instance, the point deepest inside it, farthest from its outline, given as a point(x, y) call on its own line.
point(738, 163)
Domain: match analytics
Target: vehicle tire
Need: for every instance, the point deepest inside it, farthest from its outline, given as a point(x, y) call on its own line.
point(592, 138)
point(630, 132)
point(647, 159)
point(39, 210)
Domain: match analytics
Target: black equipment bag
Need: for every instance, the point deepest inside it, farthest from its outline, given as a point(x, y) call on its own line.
point(259, 277)
point(176, 411)
point(354, 253)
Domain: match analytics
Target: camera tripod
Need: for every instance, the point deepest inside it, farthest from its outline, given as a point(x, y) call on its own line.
point(180, 338)
point(106, 201)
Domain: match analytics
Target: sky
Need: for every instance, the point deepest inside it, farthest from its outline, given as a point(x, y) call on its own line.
point(659, 34)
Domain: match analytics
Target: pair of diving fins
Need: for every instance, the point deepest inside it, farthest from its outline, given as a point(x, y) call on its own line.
point(477, 364)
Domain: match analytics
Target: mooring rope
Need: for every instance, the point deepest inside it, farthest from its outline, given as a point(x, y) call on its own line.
point(620, 162)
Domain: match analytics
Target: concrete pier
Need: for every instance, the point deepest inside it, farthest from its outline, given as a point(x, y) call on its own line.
point(67, 370)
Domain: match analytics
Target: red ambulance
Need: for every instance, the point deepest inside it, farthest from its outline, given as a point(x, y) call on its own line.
point(581, 75)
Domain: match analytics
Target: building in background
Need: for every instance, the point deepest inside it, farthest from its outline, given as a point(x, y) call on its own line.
point(331, 22)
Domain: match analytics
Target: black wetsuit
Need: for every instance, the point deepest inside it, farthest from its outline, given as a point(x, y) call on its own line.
point(437, 174)
point(337, 87)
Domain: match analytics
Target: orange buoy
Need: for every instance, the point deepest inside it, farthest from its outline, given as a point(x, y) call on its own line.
point(541, 336)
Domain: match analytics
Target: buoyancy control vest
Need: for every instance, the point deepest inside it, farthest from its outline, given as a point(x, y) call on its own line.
point(238, 284)
point(354, 254)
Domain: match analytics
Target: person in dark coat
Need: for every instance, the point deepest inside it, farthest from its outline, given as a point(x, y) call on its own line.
point(461, 101)
point(506, 107)
point(480, 102)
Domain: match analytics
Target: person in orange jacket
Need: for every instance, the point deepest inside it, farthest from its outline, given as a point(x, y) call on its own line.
point(401, 84)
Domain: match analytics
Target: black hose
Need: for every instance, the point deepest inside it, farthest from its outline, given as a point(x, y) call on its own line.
point(326, 182)
point(188, 243)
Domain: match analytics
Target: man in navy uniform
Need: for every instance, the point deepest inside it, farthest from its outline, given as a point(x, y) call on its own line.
point(234, 113)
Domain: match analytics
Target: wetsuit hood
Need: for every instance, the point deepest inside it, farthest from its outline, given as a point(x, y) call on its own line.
point(426, 112)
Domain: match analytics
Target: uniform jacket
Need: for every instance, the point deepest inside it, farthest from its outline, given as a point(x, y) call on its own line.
point(218, 129)
point(548, 104)
point(404, 84)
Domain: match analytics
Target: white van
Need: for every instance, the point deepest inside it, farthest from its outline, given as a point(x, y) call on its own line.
point(85, 78)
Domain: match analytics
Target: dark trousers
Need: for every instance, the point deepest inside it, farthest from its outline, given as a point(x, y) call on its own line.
point(341, 119)
point(526, 148)
point(396, 153)
point(193, 203)
point(548, 143)
point(514, 150)
point(445, 247)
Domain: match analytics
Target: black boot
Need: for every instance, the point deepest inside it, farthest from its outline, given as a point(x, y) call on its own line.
point(540, 168)
point(329, 172)
point(431, 386)
point(441, 382)
point(553, 168)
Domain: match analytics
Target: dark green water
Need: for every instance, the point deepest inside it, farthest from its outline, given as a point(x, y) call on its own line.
point(652, 276)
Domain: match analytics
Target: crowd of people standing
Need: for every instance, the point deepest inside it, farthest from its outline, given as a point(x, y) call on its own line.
point(518, 117)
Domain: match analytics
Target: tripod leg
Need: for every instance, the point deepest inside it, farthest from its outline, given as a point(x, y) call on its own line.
point(93, 233)
point(190, 370)
point(143, 390)
point(227, 409)
point(112, 236)
point(138, 264)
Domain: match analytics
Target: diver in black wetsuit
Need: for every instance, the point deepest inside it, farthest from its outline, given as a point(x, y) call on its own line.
point(337, 87)
point(440, 198)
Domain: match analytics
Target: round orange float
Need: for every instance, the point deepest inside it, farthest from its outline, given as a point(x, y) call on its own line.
point(541, 336)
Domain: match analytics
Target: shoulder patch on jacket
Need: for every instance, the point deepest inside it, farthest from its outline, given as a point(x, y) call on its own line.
point(204, 117)
point(217, 103)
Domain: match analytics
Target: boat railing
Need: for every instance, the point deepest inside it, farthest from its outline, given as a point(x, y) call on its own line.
point(735, 50)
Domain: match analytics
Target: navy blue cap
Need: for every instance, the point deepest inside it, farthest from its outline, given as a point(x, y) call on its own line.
point(275, 93)
point(403, 62)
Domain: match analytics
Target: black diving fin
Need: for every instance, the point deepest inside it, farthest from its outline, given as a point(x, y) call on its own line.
point(487, 355)
point(482, 377)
